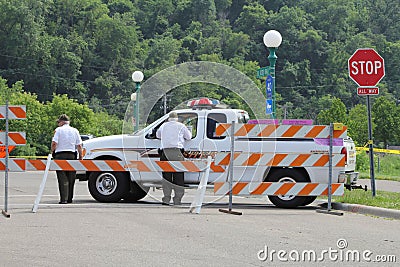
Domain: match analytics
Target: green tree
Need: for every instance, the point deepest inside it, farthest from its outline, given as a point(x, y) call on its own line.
point(33, 124)
point(335, 113)
point(386, 120)
point(163, 52)
point(358, 124)
point(204, 11)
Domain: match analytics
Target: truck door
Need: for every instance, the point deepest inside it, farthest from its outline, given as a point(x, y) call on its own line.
point(211, 142)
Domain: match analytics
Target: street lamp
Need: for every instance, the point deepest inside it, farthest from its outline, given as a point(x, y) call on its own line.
point(137, 77)
point(272, 40)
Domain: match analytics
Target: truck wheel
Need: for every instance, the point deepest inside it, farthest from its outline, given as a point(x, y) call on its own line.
point(287, 175)
point(136, 193)
point(309, 200)
point(108, 186)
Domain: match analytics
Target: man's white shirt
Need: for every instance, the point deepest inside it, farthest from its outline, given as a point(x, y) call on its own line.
point(173, 134)
point(67, 138)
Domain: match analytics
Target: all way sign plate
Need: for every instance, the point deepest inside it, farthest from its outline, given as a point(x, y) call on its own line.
point(367, 91)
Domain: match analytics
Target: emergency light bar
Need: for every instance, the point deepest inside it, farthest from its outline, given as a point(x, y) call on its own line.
point(203, 103)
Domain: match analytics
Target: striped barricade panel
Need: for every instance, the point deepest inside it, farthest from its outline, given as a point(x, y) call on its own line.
point(282, 160)
point(115, 165)
point(167, 166)
point(14, 112)
point(279, 131)
point(14, 165)
point(14, 139)
point(274, 189)
point(76, 165)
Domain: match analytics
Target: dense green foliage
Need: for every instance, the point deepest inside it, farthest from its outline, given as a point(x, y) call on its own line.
point(41, 119)
point(87, 50)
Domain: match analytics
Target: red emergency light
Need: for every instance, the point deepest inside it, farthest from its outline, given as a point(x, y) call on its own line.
point(202, 102)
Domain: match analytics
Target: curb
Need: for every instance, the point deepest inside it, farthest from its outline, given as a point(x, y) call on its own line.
point(355, 208)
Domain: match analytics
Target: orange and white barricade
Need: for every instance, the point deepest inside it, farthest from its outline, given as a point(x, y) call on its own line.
point(329, 160)
point(113, 165)
point(14, 138)
point(281, 131)
point(280, 160)
point(13, 112)
point(118, 166)
point(276, 189)
point(14, 165)
point(9, 139)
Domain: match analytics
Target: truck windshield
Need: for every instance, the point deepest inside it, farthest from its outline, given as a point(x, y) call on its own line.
point(189, 119)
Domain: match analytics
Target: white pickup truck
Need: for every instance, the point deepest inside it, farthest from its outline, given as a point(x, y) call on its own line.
point(202, 120)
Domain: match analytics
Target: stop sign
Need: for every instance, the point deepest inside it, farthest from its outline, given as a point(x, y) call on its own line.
point(366, 67)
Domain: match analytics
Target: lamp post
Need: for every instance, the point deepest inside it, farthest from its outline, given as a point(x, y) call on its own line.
point(272, 40)
point(137, 77)
point(133, 99)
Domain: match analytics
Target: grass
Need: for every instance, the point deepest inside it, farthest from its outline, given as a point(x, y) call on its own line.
point(387, 166)
point(383, 199)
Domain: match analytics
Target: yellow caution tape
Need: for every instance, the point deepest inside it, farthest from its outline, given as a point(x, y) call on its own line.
point(29, 157)
point(379, 150)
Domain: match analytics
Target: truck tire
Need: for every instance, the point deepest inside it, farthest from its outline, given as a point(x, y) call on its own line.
point(108, 186)
point(309, 200)
point(288, 175)
point(136, 193)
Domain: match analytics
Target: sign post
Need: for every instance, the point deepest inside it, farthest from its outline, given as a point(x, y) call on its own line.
point(367, 68)
point(269, 89)
point(8, 112)
point(5, 211)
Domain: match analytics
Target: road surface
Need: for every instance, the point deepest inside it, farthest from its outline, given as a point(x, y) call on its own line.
point(88, 233)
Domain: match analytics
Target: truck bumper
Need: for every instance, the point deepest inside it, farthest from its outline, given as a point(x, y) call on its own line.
point(351, 178)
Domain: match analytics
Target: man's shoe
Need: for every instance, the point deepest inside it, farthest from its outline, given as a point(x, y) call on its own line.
point(165, 204)
point(62, 202)
point(69, 201)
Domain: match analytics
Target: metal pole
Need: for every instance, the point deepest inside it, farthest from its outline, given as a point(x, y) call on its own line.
point(137, 106)
point(230, 211)
point(5, 211)
point(272, 60)
point(330, 167)
point(165, 103)
point(329, 209)
point(231, 164)
point(371, 149)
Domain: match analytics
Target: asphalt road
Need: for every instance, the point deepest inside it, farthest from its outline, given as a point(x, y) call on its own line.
point(383, 185)
point(88, 233)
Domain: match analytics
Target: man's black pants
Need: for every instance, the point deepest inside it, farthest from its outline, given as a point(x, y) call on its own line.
point(66, 179)
point(172, 180)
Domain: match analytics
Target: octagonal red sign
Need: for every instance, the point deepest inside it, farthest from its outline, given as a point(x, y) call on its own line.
point(366, 67)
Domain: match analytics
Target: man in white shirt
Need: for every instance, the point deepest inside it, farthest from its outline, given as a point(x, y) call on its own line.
point(66, 144)
point(173, 135)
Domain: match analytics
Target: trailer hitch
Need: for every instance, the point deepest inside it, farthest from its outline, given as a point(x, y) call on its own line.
point(351, 187)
